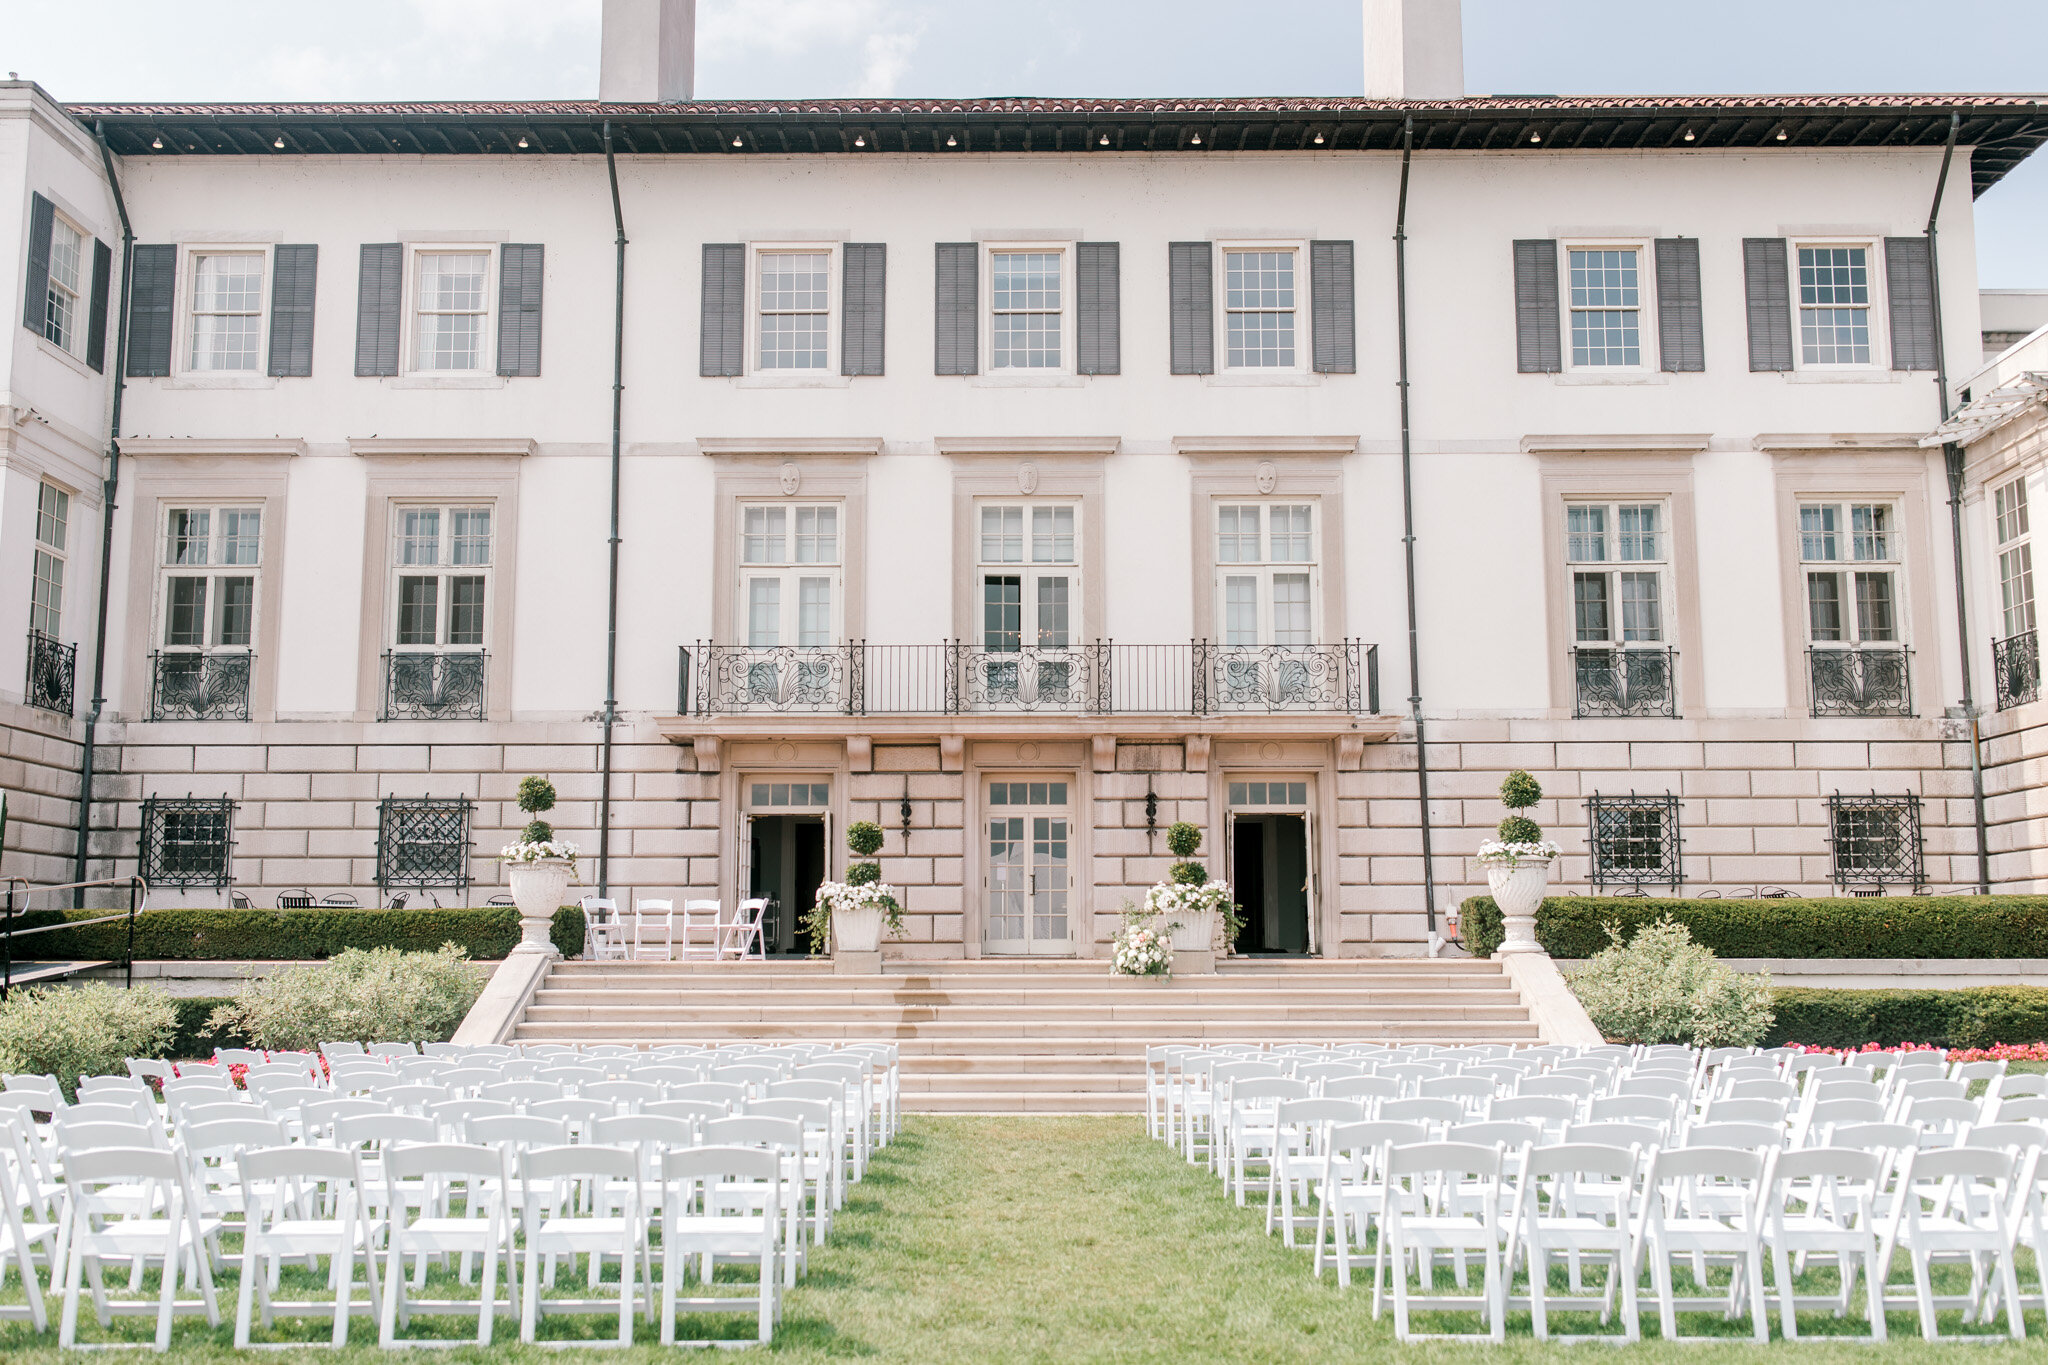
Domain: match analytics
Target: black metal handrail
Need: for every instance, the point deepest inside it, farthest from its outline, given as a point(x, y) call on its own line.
point(1874, 680)
point(2016, 669)
point(195, 686)
point(138, 894)
point(419, 685)
point(1618, 681)
point(52, 673)
point(1099, 677)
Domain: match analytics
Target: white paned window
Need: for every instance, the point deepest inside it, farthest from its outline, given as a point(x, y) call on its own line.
point(795, 309)
point(1027, 304)
point(1266, 573)
point(53, 530)
point(210, 561)
point(1619, 554)
point(63, 310)
point(2015, 557)
point(789, 574)
point(227, 310)
point(1030, 583)
point(1606, 306)
point(1849, 553)
point(1834, 305)
point(442, 565)
point(451, 302)
point(1260, 305)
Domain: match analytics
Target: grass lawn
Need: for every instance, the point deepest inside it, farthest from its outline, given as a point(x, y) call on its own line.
point(1044, 1239)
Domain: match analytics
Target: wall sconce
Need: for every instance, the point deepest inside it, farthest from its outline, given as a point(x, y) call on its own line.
point(1151, 813)
point(904, 810)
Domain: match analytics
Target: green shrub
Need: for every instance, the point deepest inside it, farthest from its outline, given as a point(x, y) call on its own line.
point(1519, 791)
point(377, 996)
point(1661, 987)
point(864, 837)
point(1183, 839)
point(87, 1030)
point(1877, 926)
point(1188, 874)
point(1978, 1016)
point(195, 1037)
point(1518, 829)
point(863, 874)
point(291, 935)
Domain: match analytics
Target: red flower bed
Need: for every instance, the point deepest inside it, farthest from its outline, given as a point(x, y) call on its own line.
point(1997, 1052)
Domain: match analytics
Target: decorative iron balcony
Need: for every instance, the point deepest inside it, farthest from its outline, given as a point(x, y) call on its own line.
point(1625, 682)
point(1874, 681)
point(423, 686)
point(962, 678)
point(52, 672)
point(199, 686)
point(2016, 669)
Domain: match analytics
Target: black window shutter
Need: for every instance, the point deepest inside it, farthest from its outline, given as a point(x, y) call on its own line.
point(1767, 284)
point(1191, 299)
point(96, 323)
point(1332, 302)
point(722, 341)
point(42, 221)
point(957, 299)
point(292, 283)
point(520, 267)
point(863, 325)
point(1539, 346)
point(378, 293)
point(1098, 294)
point(1909, 283)
point(1681, 343)
point(154, 272)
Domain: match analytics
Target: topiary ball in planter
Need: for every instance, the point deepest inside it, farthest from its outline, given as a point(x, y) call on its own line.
point(863, 874)
point(1183, 839)
point(1187, 874)
point(864, 837)
point(1520, 791)
point(1519, 829)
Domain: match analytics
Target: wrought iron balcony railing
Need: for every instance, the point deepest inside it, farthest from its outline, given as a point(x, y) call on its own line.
point(961, 678)
point(2016, 669)
point(424, 686)
point(1873, 681)
point(199, 686)
point(1625, 682)
point(52, 672)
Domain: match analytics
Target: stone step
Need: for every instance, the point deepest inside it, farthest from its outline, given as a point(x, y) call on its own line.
point(1516, 1029)
point(1023, 1019)
point(1033, 1102)
point(1028, 1082)
point(1025, 1003)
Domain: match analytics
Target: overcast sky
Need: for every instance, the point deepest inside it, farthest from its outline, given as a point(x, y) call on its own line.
point(537, 49)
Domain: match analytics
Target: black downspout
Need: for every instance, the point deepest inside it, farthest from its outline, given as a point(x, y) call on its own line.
point(107, 492)
point(611, 639)
point(1408, 519)
point(1952, 457)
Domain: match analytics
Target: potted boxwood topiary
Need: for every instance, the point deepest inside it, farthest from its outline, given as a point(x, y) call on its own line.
point(1187, 901)
point(850, 914)
point(1517, 862)
point(539, 867)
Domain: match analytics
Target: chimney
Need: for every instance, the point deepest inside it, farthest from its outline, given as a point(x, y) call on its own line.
point(650, 51)
point(1414, 50)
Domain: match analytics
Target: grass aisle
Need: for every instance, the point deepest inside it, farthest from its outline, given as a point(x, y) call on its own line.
point(1047, 1239)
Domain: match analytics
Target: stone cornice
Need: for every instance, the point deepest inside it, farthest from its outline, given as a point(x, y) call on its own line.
point(1779, 441)
point(779, 447)
point(1267, 447)
point(1036, 447)
point(1626, 443)
point(371, 447)
point(174, 447)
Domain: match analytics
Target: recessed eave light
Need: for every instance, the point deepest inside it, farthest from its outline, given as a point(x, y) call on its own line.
point(156, 144)
point(522, 144)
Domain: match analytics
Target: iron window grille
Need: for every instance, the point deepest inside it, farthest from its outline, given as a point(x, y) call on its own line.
point(1625, 682)
point(185, 686)
point(2016, 670)
point(1876, 841)
point(187, 841)
point(1634, 841)
point(423, 842)
point(52, 672)
point(425, 686)
point(1861, 682)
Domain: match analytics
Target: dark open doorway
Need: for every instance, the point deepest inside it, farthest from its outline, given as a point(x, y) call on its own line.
point(788, 864)
point(1269, 867)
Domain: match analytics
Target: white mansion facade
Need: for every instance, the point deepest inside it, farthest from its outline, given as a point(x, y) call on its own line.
point(1022, 475)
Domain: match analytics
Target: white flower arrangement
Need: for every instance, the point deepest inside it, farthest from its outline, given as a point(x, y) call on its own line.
point(834, 897)
point(540, 850)
point(1494, 852)
point(1143, 948)
point(1173, 899)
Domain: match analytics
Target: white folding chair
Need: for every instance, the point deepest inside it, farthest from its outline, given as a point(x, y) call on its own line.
point(657, 916)
point(162, 1225)
point(740, 937)
point(1579, 1200)
point(485, 1231)
point(1451, 1204)
point(697, 1225)
point(1301, 1130)
point(1823, 1201)
point(304, 1201)
point(21, 1238)
point(702, 931)
point(604, 932)
point(556, 1227)
point(1700, 1203)
point(1957, 1202)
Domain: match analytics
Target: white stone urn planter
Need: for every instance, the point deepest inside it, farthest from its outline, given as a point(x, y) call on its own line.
point(1518, 889)
point(1196, 931)
point(857, 930)
point(537, 889)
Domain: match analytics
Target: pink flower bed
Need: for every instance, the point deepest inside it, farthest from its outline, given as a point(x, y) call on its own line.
point(1997, 1052)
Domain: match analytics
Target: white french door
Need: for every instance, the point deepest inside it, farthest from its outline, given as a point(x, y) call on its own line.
point(1029, 881)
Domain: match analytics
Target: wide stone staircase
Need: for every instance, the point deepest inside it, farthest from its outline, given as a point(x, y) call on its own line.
point(1004, 1036)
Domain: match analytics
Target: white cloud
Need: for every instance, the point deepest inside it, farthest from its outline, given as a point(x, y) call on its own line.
point(884, 32)
point(888, 59)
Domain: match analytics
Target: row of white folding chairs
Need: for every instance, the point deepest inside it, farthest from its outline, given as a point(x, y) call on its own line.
point(735, 1193)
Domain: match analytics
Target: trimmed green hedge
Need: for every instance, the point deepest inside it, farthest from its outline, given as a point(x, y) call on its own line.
point(193, 1040)
point(487, 932)
point(1878, 926)
point(1977, 1016)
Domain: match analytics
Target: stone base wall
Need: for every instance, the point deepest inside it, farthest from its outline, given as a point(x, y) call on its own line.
point(2016, 796)
point(39, 758)
point(1752, 797)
